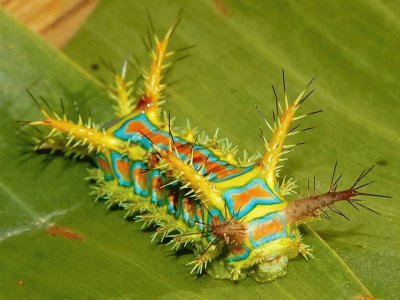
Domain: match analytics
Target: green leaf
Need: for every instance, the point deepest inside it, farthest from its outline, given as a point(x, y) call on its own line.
point(226, 70)
point(352, 48)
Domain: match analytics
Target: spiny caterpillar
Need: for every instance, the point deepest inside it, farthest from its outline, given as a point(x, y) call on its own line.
point(233, 213)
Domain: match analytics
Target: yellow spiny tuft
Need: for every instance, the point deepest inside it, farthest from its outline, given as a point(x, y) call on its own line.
point(287, 187)
point(121, 92)
point(151, 97)
point(203, 259)
point(94, 139)
point(54, 144)
point(79, 139)
point(280, 130)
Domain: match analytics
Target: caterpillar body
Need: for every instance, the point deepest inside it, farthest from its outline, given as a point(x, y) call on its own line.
point(232, 213)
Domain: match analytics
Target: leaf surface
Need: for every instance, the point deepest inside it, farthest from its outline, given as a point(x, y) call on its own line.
point(226, 74)
point(241, 47)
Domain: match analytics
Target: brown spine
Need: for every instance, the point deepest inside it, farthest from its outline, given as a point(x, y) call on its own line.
point(314, 205)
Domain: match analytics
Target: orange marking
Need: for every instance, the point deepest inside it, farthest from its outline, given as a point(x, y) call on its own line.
point(158, 138)
point(198, 157)
point(182, 148)
point(268, 228)
point(136, 127)
point(211, 167)
point(188, 206)
point(145, 103)
point(221, 7)
point(140, 177)
point(173, 198)
point(236, 250)
point(243, 198)
point(123, 168)
point(153, 160)
point(220, 171)
point(199, 213)
point(215, 220)
point(140, 127)
point(64, 232)
point(156, 184)
point(187, 150)
point(104, 165)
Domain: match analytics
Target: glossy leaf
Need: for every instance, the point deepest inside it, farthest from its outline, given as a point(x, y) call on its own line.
point(241, 46)
point(236, 56)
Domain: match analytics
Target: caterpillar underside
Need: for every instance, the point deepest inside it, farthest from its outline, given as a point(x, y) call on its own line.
point(231, 212)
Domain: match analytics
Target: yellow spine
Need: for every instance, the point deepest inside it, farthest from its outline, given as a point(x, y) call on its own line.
point(81, 135)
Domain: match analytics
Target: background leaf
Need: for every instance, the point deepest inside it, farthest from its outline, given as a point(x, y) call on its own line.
point(351, 47)
point(237, 55)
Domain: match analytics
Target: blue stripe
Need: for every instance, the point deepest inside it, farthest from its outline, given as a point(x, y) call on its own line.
point(138, 138)
point(228, 195)
point(240, 257)
point(136, 187)
point(107, 177)
point(253, 224)
point(198, 218)
point(114, 157)
point(153, 197)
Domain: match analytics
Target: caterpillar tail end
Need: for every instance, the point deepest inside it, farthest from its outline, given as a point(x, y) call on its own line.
point(315, 206)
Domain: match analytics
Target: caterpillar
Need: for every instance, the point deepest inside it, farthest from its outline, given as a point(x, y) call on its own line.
point(234, 214)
